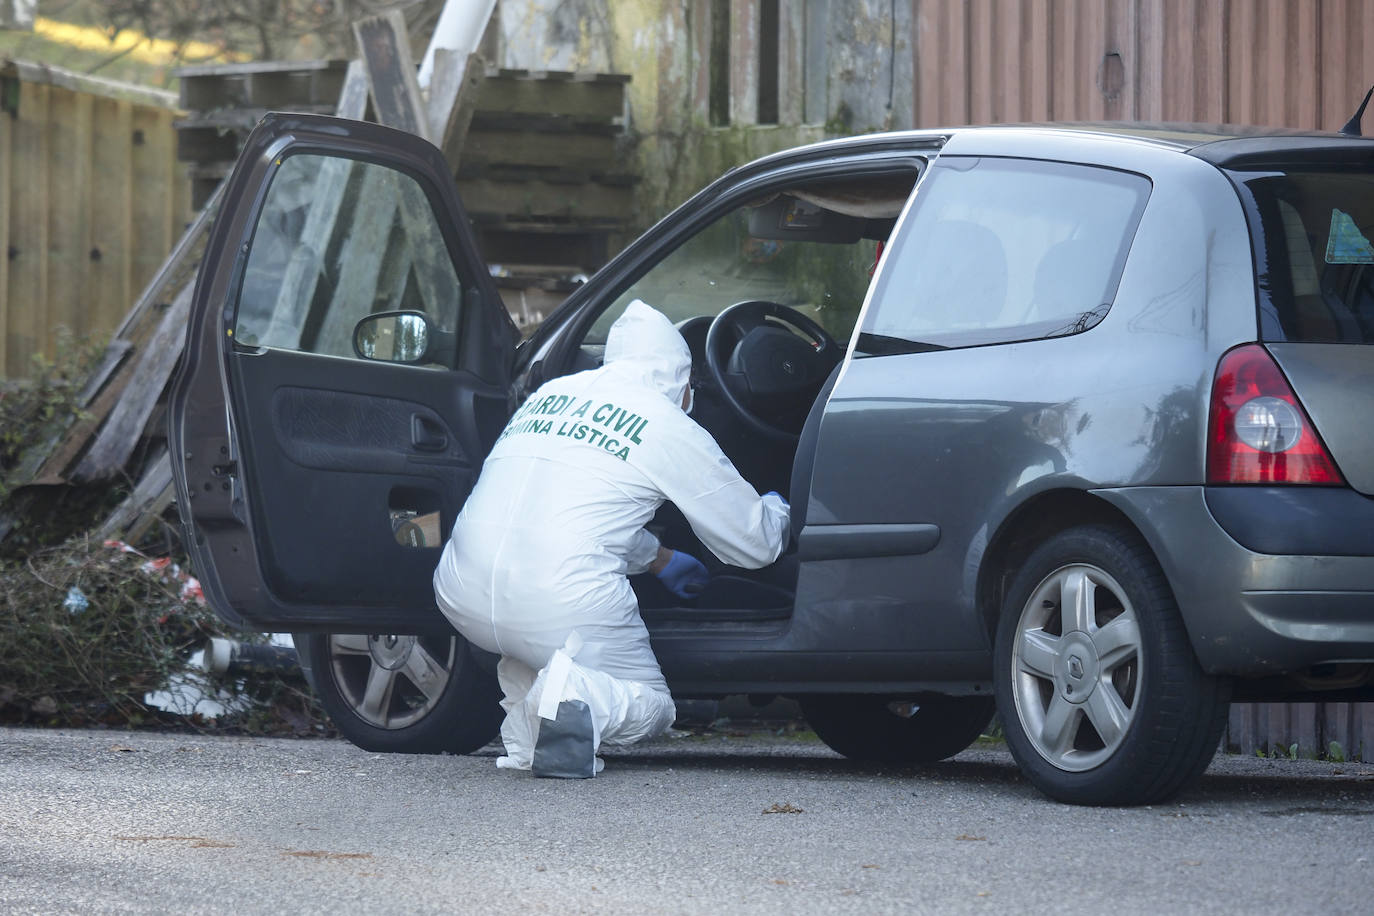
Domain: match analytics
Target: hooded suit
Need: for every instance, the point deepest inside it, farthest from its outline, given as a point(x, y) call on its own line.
point(536, 566)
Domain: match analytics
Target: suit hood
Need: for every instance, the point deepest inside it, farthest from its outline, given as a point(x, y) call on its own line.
point(644, 347)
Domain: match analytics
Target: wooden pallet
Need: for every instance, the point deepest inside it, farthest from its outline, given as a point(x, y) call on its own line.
point(539, 158)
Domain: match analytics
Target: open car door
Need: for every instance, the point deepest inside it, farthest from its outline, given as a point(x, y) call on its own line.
point(316, 485)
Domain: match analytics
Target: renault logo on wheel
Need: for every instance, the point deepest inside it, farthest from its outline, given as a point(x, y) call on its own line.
point(1075, 667)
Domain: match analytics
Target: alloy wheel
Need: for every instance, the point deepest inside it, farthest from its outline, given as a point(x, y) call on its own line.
point(390, 681)
point(1076, 667)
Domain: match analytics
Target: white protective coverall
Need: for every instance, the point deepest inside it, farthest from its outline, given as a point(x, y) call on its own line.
point(536, 566)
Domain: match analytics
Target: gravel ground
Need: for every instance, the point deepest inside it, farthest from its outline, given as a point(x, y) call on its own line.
point(104, 821)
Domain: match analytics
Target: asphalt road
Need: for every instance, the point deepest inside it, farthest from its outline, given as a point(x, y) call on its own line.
point(100, 821)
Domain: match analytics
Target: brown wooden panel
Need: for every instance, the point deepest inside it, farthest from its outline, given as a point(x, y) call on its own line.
point(1038, 98)
point(1347, 61)
point(982, 81)
point(152, 143)
point(391, 72)
point(1077, 32)
point(6, 176)
point(744, 61)
point(531, 148)
point(1300, 79)
point(535, 199)
point(112, 242)
point(791, 61)
point(699, 60)
point(69, 216)
point(942, 67)
point(581, 100)
point(29, 213)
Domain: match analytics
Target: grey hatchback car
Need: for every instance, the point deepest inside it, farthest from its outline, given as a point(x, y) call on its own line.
point(1077, 424)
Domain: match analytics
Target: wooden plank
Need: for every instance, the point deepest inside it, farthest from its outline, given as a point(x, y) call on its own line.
point(385, 48)
point(249, 68)
point(544, 124)
point(57, 461)
point(69, 245)
point(110, 268)
point(29, 228)
point(153, 154)
point(360, 263)
point(1237, 737)
point(122, 431)
point(181, 263)
point(791, 61)
point(699, 61)
point(352, 102)
point(584, 101)
point(539, 199)
point(453, 91)
point(302, 275)
point(203, 143)
point(6, 239)
point(290, 89)
point(110, 360)
point(531, 148)
point(44, 74)
point(143, 506)
point(744, 62)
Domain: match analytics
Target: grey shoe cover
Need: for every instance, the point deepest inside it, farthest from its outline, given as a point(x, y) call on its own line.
point(566, 746)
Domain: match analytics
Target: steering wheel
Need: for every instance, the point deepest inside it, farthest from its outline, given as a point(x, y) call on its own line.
point(762, 368)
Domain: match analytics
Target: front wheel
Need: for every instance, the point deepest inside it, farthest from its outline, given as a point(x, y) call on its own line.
point(405, 694)
point(1100, 695)
point(879, 729)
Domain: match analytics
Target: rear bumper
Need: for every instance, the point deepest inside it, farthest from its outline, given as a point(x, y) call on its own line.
point(1252, 613)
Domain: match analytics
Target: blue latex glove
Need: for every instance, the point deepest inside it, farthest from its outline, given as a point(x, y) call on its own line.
point(684, 575)
point(781, 497)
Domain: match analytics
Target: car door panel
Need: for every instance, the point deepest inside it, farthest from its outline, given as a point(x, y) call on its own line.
point(337, 447)
point(295, 460)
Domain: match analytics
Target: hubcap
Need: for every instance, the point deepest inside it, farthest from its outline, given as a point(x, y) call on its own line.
point(1076, 667)
point(392, 681)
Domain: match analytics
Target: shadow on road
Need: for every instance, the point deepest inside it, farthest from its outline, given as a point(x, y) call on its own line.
point(1284, 788)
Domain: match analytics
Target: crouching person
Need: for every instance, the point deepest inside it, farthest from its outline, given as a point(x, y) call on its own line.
point(536, 567)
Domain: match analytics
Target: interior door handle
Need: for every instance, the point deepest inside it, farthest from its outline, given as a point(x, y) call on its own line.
point(427, 435)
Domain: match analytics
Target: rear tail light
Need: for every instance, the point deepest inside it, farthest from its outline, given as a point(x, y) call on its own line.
point(1259, 433)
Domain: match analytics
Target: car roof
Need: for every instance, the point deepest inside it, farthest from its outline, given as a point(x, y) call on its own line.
point(1229, 145)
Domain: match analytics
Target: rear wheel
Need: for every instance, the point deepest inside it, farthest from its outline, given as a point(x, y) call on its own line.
point(1101, 697)
point(405, 694)
point(880, 729)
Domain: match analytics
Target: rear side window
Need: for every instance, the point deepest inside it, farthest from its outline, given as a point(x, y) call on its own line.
point(999, 250)
point(1312, 233)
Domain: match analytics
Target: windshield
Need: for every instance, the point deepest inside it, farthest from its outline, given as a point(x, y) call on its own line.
point(1314, 260)
point(812, 247)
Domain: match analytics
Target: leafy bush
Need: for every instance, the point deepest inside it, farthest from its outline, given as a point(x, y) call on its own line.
point(88, 629)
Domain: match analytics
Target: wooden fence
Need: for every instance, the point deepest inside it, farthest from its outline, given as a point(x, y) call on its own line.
point(92, 199)
point(1338, 730)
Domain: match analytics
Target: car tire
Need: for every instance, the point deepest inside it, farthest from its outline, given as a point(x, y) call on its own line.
point(1101, 697)
point(405, 694)
point(879, 729)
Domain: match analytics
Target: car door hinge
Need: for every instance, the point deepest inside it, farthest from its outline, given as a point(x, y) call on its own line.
point(228, 469)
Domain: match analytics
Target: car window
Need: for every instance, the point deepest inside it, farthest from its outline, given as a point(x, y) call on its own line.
point(1001, 249)
point(336, 240)
point(812, 248)
point(1312, 233)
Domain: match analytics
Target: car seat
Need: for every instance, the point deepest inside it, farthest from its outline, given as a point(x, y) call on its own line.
point(963, 280)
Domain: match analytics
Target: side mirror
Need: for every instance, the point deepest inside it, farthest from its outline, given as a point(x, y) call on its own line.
point(393, 337)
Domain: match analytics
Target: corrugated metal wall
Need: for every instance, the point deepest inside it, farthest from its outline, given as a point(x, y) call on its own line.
point(1293, 63)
